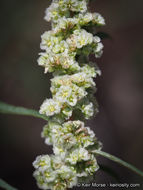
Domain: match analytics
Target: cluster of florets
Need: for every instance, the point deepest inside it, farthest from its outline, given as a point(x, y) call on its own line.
point(70, 92)
point(52, 173)
point(60, 53)
point(66, 49)
point(73, 158)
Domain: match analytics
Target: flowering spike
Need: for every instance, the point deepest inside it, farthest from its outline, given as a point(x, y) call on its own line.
point(66, 49)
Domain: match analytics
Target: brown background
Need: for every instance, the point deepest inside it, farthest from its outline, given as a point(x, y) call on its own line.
point(120, 88)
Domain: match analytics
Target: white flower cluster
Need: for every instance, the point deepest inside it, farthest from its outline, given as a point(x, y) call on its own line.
point(66, 49)
point(52, 173)
point(67, 35)
point(61, 8)
point(68, 135)
point(67, 91)
point(65, 24)
point(61, 53)
point(72, 143)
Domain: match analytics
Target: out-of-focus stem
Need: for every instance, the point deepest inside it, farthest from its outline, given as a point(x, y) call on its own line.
point(119, 161)
point(10, 109)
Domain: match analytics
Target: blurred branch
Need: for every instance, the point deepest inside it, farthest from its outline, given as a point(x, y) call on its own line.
point(119, 161)
point(6, 186)
point(9, 109)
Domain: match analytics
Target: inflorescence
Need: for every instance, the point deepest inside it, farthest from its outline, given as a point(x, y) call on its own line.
point(66, 49)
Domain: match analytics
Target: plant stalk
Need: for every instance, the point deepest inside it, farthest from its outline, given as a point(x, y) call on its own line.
point(119, 161)
point(10, 109)
point(6, 186)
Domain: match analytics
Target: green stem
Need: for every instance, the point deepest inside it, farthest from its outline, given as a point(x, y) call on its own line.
point(5, 185)
point(119, 161)
point(9, 109)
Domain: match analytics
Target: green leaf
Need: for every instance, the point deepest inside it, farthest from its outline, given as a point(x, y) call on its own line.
point(9, 109)
point(6, 186)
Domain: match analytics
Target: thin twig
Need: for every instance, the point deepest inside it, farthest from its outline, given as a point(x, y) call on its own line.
point(10, 109)
point(119, 161)
point(6, 186)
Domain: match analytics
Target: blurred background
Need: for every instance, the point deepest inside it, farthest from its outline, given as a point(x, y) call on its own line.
point(119, 124)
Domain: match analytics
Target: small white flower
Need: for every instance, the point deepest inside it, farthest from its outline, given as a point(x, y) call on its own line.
point(47, 40)
point(67, 173)
point(52, 12)
point(92, 166)
point(88, 110)
point(64, 24)
point(89, 71)
point(79, 6)
point(98, 50)
point(69, 140)
point(50, 107)
point(96, 39)
point(49, 176)
point(42, 161)
point(78, 124)
point(86, 141)
point(87, 17)
point(42, 59)
point(40, 180)
point(78, 155)
point(79, 39)
point(56, 161)
point(98, 19)
point(90, 132)
point(58, 151)
point(48, 141)
point(64, 92)
point(67, 112)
